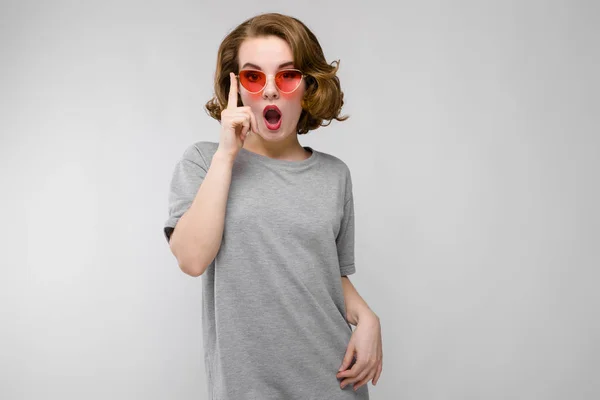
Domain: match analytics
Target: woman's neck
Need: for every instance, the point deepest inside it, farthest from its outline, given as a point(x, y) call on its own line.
point(289, 149)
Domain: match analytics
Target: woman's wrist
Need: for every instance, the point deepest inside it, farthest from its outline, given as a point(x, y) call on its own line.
point(367, 316)
point(362, 315)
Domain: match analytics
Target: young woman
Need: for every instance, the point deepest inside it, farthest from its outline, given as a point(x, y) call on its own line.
point(270, 226)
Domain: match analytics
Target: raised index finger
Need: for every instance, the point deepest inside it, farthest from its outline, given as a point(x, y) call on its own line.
point(233, 92)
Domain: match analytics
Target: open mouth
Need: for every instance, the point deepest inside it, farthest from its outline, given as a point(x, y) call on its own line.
point(272, 116)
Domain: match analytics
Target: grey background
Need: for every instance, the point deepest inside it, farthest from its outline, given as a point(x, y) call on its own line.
point(473, 142)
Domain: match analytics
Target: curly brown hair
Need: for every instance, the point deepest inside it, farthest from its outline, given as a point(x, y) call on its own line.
point(323, 99)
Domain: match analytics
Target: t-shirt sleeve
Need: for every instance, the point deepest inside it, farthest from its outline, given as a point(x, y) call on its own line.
point(188, 174)
point(345, 237)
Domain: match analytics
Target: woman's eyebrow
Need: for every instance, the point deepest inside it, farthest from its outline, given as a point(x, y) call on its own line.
point(285, 64)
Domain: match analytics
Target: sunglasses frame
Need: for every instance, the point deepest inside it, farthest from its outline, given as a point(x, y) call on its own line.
point(271, 76)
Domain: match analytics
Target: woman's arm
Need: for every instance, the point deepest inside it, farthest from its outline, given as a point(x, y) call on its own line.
point(356, 308)
point(365, 345)
point(197, 237)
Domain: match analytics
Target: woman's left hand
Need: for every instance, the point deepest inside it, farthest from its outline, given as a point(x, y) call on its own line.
point(366, 343)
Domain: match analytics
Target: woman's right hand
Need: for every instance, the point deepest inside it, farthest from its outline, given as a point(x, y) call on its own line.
point(236, 122)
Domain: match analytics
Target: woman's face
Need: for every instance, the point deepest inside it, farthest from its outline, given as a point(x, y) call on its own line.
point(271, 54)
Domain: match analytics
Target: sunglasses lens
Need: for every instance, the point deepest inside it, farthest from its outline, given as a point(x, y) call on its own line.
point(253, 81)
point(288, 80)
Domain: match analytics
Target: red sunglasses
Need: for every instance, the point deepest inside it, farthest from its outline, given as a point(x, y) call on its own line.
point(286, 80)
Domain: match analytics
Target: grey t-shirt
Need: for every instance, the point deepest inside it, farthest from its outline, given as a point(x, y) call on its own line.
point(273, 318)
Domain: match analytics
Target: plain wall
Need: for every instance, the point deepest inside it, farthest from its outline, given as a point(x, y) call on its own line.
point(474, 145)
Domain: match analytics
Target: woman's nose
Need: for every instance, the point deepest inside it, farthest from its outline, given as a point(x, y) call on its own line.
point(270, 91)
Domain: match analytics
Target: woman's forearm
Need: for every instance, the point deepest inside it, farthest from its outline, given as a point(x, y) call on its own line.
point(356, 307)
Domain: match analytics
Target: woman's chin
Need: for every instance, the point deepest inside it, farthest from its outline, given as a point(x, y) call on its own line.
point(273, 136)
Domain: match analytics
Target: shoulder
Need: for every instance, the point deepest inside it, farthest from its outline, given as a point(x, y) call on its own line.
point(200, 153)
point(335, 163)
point(341, 170)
